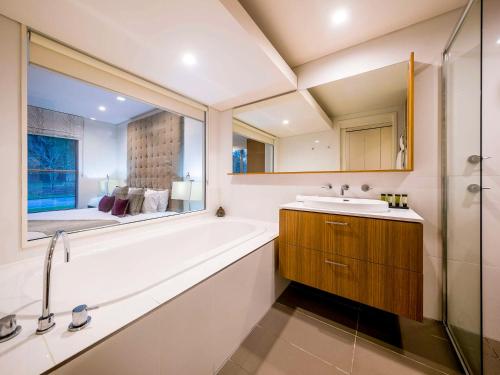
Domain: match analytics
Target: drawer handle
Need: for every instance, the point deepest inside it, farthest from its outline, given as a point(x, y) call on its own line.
point(335, 263)
point(336, 223)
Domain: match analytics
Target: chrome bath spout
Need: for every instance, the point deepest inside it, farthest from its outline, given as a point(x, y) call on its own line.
point(46, 321)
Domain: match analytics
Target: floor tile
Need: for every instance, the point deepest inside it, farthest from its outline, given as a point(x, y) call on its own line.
point(372, 359)
point(491, 365)
point(231, 368)
point(495, 346)
point(264, 353)
point(310, 334)
point(324, 306)
point(426, 342)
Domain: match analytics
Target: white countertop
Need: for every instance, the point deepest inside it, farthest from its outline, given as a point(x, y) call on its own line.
point(29, 353)
point(393, 213)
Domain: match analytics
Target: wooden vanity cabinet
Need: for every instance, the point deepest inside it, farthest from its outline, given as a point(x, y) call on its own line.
point(374, 261)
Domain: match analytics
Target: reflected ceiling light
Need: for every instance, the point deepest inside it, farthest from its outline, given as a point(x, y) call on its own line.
point(285, 122)
point(120, 98)
point(101, 108)
point(498, 41)
point(189, 59)
point(340, 16)
point(92, 118)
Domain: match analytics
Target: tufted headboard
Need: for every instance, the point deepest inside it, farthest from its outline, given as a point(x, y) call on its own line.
point(154, 151)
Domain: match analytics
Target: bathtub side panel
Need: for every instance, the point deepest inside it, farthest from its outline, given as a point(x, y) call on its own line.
point(198, 330)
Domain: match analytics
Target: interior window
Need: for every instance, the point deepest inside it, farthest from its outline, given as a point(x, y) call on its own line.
point(99, 158)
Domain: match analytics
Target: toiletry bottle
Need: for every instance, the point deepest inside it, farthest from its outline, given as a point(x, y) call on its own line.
point(383, 197)
point(390, 199)
point(404, 200)
point(397, 200)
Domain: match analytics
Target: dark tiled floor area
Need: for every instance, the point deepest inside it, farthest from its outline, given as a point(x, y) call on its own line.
point(311, 332)
point(491, 355)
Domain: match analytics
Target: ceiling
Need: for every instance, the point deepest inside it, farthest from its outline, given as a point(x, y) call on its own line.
point(302, 30)
point(298, 108)
point(377, 89)
point(233, 62)
point(60, 93)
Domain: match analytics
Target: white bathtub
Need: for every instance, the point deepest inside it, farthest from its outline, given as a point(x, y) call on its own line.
point(114, 271)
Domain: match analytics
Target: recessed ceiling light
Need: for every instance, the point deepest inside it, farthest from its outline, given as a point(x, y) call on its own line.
point(340, 16)
point(498, 41)
point(101, 108)
point(316, 141)
point(286, 122)
point(120, 98)
point(92, 118)
point(189, 59)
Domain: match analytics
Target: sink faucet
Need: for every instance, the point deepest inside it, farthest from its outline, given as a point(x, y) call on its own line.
point(343, 188)
point(46, 321)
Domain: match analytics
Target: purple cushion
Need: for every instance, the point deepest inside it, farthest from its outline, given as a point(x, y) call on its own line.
point(106, 203)
point(120, 207)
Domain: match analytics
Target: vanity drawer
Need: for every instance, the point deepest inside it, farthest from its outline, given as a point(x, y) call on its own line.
point(389, 288)
point(304, 265)
point(336, 234)
point(386, 242)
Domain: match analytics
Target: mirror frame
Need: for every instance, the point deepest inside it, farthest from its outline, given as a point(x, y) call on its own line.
point(410, 114)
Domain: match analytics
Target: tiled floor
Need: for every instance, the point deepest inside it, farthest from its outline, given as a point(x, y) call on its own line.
point(491, 350)
point(311, 332)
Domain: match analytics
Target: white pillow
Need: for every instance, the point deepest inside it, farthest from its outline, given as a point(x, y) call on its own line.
point(163, 196)
point(151, 201)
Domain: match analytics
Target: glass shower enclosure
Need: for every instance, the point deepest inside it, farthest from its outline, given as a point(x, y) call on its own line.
point(462, 188)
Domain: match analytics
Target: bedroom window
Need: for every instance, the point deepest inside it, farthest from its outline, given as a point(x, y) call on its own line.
point(52, 173)
point(104, 147)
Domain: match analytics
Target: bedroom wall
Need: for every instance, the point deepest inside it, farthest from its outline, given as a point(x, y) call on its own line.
point(101, 154)
point(193, 154)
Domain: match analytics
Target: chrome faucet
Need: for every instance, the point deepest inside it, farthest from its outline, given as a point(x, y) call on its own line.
point(46, 321)
point(343, 188)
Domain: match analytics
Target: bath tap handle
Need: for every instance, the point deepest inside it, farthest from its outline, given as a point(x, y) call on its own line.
point(79, 318)
point(9, 328)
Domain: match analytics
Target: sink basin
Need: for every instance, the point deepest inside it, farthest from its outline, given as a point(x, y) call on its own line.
point(344, 204)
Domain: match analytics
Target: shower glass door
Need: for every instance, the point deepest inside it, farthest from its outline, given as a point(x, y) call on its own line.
point(462, 189)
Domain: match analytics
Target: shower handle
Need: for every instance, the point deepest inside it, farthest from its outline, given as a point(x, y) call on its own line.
point(475, 188)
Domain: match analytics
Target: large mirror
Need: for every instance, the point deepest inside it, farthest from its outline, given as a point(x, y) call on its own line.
point(98, 158)
point(359, 123)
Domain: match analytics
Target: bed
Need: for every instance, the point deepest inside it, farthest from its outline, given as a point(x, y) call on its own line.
point(43, 224)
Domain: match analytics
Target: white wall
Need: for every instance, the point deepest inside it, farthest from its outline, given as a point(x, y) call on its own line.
point(102, 153)
point(193, 148)
point(260, 196)
point(491, 168)
point(10, 141)
point(302, 153)
point(193, 155)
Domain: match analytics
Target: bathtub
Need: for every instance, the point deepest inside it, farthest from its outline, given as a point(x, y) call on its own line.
point(104, 274)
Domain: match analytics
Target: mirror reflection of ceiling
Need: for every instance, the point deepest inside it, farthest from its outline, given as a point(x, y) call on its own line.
point(377, 89)
point(313, 110)
point(286, 115)
point(60, 93)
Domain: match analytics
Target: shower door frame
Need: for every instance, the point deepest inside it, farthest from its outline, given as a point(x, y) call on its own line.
point(444, 160)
